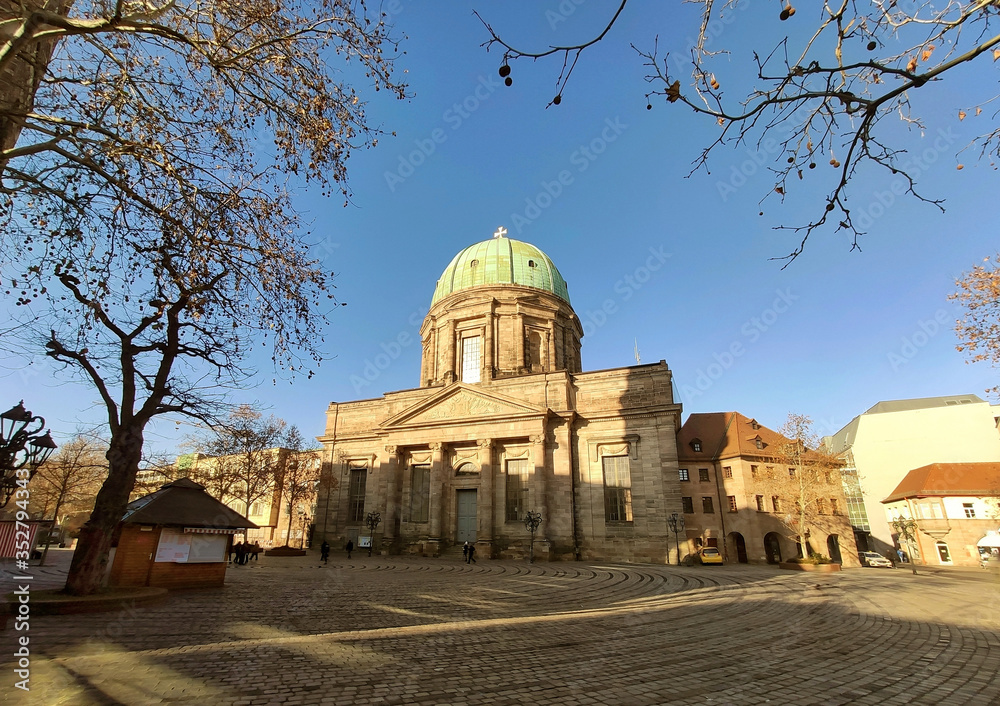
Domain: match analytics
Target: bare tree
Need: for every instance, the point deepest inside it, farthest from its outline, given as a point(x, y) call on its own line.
point(242, 457)
point(69, 481)
point(979, 328)
point(298, 476)
point(147, 237)
point(822, 91)
point(805, 480)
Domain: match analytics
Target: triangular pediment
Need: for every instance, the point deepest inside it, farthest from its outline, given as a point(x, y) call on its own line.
point(461, 403)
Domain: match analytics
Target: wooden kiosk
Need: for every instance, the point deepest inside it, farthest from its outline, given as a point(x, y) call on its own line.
point(176, 537)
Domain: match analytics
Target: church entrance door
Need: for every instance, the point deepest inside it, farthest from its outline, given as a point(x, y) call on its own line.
point(467, 523)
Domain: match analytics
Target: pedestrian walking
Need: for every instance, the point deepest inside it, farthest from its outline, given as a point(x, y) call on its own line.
point(892, 558)
point(255, 551)
point(349, 547)
point(465, 552)
point(325, 551)
point(241, 554)
point(472, 554)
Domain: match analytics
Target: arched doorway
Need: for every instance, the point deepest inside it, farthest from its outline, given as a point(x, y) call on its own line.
point(943, 553)
point(833, 547)
point(772, 548)
point(741, 547)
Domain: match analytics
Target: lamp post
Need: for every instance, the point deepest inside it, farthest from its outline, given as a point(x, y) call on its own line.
point(531, 522)
point(907, 531)
point(306, 519)
point(676, 524)
point(20, 447)
point(372, 520)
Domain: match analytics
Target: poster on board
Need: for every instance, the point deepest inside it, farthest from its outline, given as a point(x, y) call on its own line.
point(174, 546)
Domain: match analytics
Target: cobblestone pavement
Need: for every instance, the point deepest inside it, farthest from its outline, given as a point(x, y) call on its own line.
point(395, 630)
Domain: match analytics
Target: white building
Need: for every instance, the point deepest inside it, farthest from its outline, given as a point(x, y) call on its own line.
point(894, 437)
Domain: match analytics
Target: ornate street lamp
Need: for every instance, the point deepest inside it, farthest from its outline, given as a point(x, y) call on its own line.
point(531, 522)
point(676, 524)
point(372, 520)
point(20, 447)
point(907, 531)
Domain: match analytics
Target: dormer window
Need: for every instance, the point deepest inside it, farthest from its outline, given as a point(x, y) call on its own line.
point(696, 445)
point(531, 263)
point(474, 263)
point(758, 442)
point(754, 425)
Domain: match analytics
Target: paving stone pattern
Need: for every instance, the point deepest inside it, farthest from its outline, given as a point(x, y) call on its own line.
point(399, 630)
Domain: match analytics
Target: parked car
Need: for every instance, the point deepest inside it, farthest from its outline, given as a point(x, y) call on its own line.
point(709, 555)
point(875, 559)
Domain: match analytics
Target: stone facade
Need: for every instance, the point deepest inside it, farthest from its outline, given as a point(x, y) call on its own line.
point(725, 458)
point(505, 423)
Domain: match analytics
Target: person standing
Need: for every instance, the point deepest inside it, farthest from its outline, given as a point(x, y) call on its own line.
point(325, 551)
point(349, 548)
point(465, 552)
point(472, 554)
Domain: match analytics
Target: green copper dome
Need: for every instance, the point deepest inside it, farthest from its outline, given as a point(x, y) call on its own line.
point(498, 261)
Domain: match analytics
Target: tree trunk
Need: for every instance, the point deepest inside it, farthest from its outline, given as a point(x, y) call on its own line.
point(90, 560)
point(288, 535)
point(21, 77)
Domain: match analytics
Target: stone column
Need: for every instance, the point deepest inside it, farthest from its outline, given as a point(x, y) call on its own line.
point(448, 373)
point(487, 491)
point(519, 343)
point(539, 496)
point(560, 495)
point(488, 346)
point(436, 509)
point(392, 496)
point(550, 348)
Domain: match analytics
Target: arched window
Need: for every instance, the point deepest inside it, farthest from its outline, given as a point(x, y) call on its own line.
point(466, 468)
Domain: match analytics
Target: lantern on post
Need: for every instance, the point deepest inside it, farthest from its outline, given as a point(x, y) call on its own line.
point(372, 520)
point(676, 524)
point(20, 447)
point(531, 521)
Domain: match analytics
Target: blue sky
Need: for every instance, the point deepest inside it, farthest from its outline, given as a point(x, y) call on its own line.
point(680, 265)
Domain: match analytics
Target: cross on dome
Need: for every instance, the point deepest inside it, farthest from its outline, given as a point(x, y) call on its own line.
point(501, 232)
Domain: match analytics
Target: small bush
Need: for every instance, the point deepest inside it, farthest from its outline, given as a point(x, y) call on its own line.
point(812, 559)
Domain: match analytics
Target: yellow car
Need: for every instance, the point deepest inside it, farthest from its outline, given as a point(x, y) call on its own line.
point(709, 555)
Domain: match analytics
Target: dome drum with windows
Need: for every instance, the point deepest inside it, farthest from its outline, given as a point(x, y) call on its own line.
point(500, 309)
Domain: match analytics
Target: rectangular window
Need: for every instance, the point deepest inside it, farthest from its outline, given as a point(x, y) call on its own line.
point(775, 503)
point(517, 489)
point(688, 504)
point(420, 493)
point(834, 510)
point(471, 366)
point(257, 509)
point(791, 472)
point(683, 472)
point(732, 503)
point(617, 489)
point(821, 506)
point(706, 505)
point(753, 471)
point(703, 475)
point(828, 477)
point(356, 495)
point(760, 503)
point(727, 471)
point(970, 511)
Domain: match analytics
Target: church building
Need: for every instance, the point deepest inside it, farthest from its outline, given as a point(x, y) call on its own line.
point(505, 422)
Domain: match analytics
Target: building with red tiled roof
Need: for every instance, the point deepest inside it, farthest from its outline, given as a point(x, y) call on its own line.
point(725, 459)
point(956, 507)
